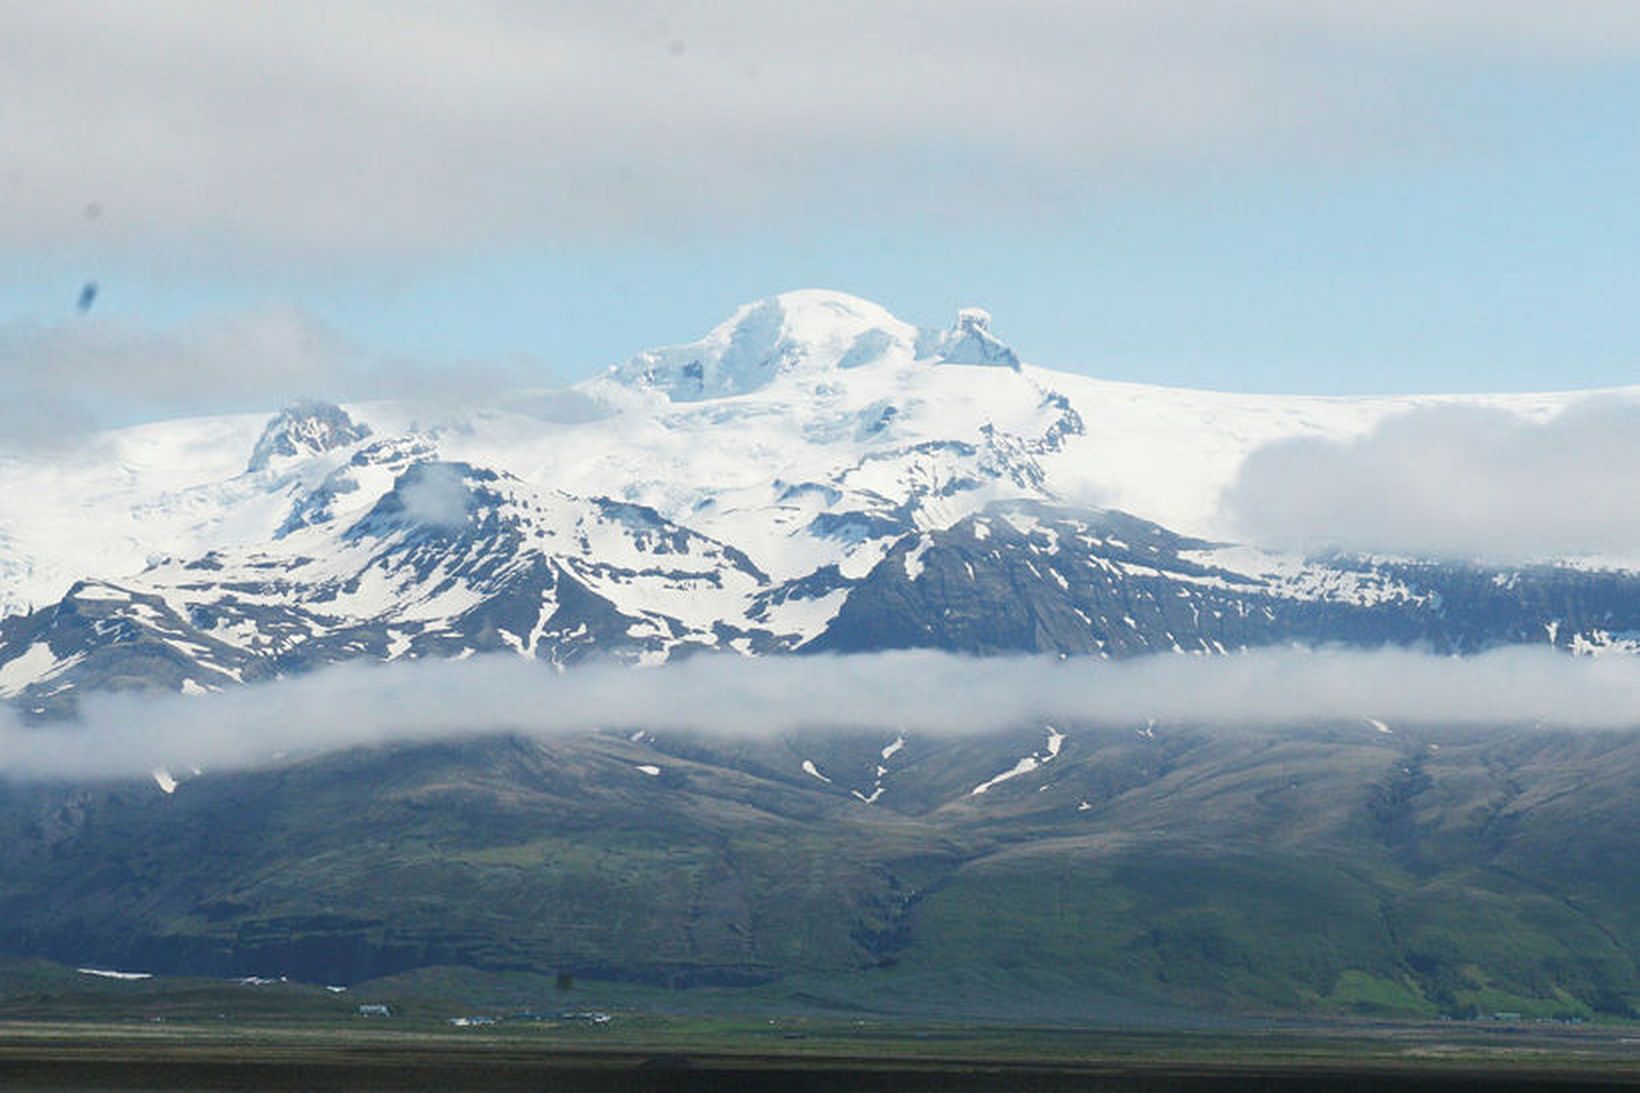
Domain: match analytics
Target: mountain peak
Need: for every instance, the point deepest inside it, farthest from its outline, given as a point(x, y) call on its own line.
point(793, 331)
point(305, 428)
point(816, 309)
point(969, 341)
point(801, 331)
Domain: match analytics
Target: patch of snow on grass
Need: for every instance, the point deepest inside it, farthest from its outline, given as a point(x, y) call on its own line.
point(1056, 740)
point(106, 973)
point(1024, 766)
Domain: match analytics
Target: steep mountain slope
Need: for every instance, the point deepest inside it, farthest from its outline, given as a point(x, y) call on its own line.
point(1025, 577)
point(1324, 869)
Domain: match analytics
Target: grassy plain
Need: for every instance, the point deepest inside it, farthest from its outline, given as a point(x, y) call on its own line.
point(62, 1029)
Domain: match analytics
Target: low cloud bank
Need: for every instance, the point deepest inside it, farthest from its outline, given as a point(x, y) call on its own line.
point(927, 693)
point(1454, 481)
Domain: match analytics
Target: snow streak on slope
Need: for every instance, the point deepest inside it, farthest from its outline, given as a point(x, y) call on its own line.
point(1026, 764)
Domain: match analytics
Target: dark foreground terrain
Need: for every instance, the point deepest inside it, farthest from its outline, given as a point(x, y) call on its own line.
point(716, 1055)
point(458, 1028)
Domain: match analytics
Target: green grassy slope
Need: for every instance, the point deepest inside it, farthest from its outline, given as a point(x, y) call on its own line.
point(1331, 870)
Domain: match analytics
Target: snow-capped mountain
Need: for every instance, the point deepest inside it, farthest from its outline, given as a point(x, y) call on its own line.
point(814, 473)
point(1026, 577)
point(304, 429)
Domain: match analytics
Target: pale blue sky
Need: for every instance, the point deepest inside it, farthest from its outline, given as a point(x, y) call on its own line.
point(1444, 214)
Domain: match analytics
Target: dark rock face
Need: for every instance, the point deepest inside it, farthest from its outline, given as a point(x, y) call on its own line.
point(1026, 577)
point(523, 576)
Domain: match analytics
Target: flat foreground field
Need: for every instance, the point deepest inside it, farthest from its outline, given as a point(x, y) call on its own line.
point(757, 1055)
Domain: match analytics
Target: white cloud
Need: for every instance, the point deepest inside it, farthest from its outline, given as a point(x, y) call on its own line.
point(63, 380)
point(343, 129)
point(435, 493)
point(1454, 481)
point(931, 693)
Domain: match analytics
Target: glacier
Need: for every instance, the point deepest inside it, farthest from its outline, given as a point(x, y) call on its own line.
point(796, 479)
